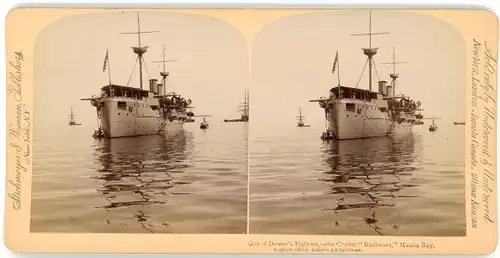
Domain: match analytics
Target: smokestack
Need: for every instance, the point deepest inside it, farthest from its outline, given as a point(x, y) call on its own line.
point(389, 91)
point(160, 89)
point(381, 87)
point(153, 86)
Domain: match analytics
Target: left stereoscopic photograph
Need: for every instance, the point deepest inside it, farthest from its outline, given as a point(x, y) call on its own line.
point(131, 132)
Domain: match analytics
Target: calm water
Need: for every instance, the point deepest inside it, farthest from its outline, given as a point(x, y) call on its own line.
point(412, 185)
point(192, 181)
point(195, 181)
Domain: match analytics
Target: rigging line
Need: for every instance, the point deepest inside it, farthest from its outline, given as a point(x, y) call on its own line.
point(363, 71)
point(132, 73)
point(376, 71)
point(398, 89)
point(145, 67)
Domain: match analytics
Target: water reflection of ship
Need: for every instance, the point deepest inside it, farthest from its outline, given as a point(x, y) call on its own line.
point(370, 181)
point(139, 173)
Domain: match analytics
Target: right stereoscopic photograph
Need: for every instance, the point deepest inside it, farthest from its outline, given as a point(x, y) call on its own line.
point(357, 125)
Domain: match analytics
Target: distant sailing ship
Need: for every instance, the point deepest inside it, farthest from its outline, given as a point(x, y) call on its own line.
point(125, 111)
point(354, 113)
point(72, 118)
point(301, 119)
point(244, 111)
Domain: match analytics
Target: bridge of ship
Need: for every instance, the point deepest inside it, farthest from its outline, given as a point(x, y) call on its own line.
point(343, 92)
point(114, 90)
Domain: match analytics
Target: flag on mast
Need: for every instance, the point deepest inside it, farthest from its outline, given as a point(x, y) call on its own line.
point(335, 61)
point(105, 62)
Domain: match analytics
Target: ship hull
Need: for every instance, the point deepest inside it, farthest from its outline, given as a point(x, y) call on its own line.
point(129, 118)
point(357, 119)
point(235, 121)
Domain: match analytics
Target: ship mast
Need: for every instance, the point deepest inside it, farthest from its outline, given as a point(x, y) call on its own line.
point(139, 50)
point(71, 115)
point(370, 51)
point(246, 106)
point(300, 116)
point(164, 74)
point(394, 75)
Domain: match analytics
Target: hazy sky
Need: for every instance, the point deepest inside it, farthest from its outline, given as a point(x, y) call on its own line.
point(292, 62)
point(212, 67)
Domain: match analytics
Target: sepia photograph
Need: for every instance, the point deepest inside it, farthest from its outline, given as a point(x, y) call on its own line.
point(138, 125)
point(358, 125)
point(372, 130)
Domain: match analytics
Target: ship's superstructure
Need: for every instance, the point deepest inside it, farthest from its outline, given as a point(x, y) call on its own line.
point(125, 111)
point(245, 110)
point(354, 113)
